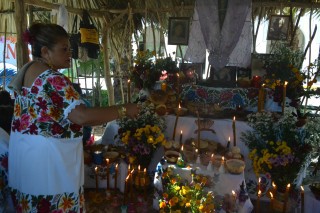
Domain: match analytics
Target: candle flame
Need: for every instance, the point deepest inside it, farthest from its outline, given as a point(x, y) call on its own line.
point(259, 180)
point(233, 193)
point(263, 85)
point(212, 155)
point(96, 169)
point(132, 171)
point(285, 83)
point(259, 192)
point(234, 118)
point(288, 186)
point(107, 160)
point(181, 132)
point(127, 178)
point(271, 195)
point(129, 167)
point(145, 170)
point(128, 81)
point(229, 138)
point(179, 106)
point(222, 158)
point(273, 185)
point(302, 189)
point(139, 168)
point(196, 150)
point(182, 148)
point(178, 75)
point(116, 166)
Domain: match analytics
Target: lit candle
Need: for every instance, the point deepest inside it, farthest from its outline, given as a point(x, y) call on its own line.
point(258, 201)
point(164, 86)
point(271, 202)
point(131, 184)
point(198, 117)
point(286, 196)
point(274, 186)
point(180, 137)
point(96, 176)
point(212, 155)
point(145, 183)
point(228, 144)
point(178, 83)
point(126, 189)
point(261, 98)
point(139, 177)
point(176, 122)
point(234, 196)
point(108, 181)
point(234, 130)
point(259, 182)
point(116, 178)
point(129, 91)
point(284, 96)
point(302, 199)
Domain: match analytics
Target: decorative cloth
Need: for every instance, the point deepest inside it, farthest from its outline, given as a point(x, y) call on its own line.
point(46, 152)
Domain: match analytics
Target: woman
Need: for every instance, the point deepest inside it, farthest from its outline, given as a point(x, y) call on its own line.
point(45, 149)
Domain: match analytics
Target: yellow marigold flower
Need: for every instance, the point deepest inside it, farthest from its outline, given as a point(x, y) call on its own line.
point(197, 186)
point(200, 207)
point(162, 204)
point(177, 188)
point(188, 204)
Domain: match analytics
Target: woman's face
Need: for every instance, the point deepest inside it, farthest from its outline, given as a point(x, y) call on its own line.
point(60, 54)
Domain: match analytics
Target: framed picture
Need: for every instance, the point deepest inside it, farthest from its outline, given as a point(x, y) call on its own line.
point(178, 33)
point(192, 70)
point(278, 27)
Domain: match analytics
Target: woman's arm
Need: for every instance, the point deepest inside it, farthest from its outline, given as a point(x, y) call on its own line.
point(86, 116)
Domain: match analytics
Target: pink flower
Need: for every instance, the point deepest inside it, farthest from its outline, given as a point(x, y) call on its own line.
point(24, 121)
point(38, 82)
point(58, 82)
point(27, 37)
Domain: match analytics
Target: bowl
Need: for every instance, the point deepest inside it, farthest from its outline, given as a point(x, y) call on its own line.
point(111, 155)
point(235, 166)
point(181, 111)
point(171, 156)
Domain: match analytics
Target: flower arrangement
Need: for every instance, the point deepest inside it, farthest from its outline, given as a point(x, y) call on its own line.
point(148, 69)
point(279, 146)
point(282, 65)
point(142, 135)
point(181, 197)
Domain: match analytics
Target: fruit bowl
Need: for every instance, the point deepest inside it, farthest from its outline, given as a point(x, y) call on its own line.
point(235, 166)
point(171, 156)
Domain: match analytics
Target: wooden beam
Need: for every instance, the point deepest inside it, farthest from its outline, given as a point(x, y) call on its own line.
point(285, 4)
point(99, 13)
point(20, 18)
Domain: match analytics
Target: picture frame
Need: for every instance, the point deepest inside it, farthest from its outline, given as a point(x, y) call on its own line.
point(278, 27)
point(197, 68)
point(178, 32)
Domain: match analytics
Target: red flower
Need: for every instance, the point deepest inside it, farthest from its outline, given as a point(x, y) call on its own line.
point(38, 82)
point(43, 206)
point(33, 129)
point(27, 37)
point(34, 90)
point(56, 129)
point(42, 103)
point(58, 82)
point(57, 100)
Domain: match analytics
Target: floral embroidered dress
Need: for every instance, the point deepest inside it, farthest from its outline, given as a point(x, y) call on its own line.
point(46, 154)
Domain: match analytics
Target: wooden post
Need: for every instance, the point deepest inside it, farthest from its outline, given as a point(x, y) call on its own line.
point(20, 17)
point(105, 40)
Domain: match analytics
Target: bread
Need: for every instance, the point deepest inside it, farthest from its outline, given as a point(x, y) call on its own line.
point(161, 109)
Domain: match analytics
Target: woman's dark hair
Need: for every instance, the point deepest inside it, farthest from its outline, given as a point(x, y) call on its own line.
point(5, 98)
point(45, 35)
point(6, 118)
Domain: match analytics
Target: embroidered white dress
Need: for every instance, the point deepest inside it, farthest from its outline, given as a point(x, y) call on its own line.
point(46, 153)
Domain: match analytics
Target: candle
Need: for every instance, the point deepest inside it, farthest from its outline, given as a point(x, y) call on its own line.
point(145, 183)
point(129, 91)
point(180, 137)
point(259, 182)
point(126, 189)
point(258, 201)
point(164, 86)
point(116, 178)
point(261, 98)
point(302, 199)
point(178, 84)
point(131, 184)
point(108, 181)
point(139, 177)
point(198, 146)
point(234, 130)
point(274, 186)
point(234, 196)
point(212, 155)
point(271, 202)
point(175, 123)
point(228, 144)
point(286, 196)
point(284, 95)
point(96, 176)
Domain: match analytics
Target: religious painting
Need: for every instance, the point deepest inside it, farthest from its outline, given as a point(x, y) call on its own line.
point(226, 77)
point(178, 33)
point(278, 27)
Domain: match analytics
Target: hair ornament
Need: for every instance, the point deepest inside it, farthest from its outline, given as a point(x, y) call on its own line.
point(27, 37)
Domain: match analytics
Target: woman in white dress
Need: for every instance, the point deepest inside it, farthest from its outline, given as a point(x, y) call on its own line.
point(45, 148)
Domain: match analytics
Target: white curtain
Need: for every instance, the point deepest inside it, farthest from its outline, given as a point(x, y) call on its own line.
point(206, 33)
